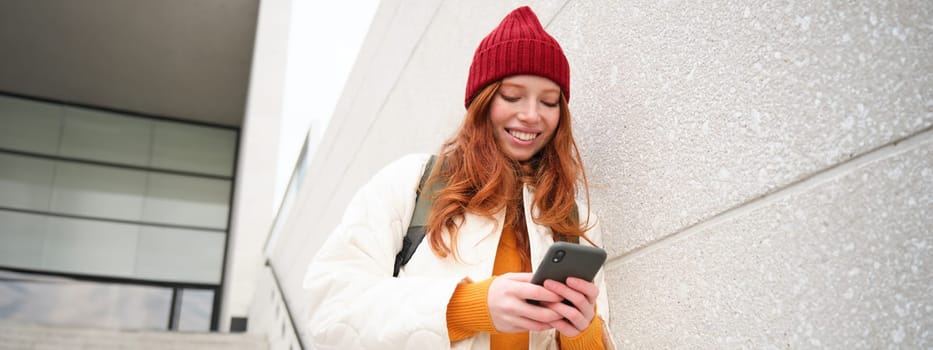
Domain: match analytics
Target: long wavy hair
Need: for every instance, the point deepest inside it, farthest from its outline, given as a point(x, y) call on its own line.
point(476, 176)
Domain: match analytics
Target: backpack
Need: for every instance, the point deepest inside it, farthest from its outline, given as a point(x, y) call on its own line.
point(419, 217)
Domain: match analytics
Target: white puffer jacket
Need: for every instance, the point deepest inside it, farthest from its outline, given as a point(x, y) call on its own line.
point(355, 302)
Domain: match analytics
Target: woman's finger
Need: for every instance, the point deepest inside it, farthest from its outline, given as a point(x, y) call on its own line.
point(565, 328)
point(521, 324)
point(582, 310)
point(570, 314)
point(574, 297)
point(521, 288)
point(583, 286)
point(509, 309)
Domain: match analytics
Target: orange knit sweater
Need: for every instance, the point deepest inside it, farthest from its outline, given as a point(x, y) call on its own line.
point(468, 312)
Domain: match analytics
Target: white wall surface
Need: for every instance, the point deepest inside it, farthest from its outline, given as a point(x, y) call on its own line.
point(253, 199)
point(762, 169)
point(302, 55)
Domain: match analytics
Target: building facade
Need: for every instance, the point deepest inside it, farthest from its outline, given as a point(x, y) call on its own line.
point(762, 171)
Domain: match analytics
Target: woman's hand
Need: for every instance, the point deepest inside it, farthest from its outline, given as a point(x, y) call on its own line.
point(582, 294)
point(509, 308)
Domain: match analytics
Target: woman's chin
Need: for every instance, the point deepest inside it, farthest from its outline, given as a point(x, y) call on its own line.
point(519, 156)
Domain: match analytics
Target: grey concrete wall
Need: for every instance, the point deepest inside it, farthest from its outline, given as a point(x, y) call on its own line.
point(762, 169)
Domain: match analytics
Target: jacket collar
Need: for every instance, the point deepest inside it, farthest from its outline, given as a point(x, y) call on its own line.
point(539, 236)
point(488, 233)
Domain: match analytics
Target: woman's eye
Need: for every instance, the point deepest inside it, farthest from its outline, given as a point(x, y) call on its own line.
point(509, 98)
point(549, 104)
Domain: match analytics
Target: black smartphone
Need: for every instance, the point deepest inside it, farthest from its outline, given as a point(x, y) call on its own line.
point(565, 260)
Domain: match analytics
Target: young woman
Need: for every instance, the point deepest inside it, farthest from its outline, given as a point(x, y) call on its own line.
point(507, 183)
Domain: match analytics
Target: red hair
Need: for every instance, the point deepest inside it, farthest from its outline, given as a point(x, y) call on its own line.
point(481, 179)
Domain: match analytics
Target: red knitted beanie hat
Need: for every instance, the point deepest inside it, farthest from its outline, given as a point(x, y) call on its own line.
point(519, 45)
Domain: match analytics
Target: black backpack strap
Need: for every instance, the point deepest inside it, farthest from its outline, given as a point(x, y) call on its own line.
point(576, 219)
point(569, 239)
point(419, 218)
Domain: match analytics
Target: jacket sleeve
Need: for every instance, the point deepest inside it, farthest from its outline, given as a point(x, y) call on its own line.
point(355, 303)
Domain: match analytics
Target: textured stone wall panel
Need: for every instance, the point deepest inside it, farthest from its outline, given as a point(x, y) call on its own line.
point(842, 264)
point(686, 109)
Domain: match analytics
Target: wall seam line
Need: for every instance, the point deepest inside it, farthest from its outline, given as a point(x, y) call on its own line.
point(556, 13)
point(890, 149)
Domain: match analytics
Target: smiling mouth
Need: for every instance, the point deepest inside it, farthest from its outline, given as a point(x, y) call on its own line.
point(524, 136)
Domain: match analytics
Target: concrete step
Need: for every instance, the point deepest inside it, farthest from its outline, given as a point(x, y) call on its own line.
point(24, 336)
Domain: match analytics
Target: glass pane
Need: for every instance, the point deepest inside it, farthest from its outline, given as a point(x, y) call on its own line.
point(98, 191)
point(90, 247)
point(29, 125)
point(64, 302)
point(25, 182)
point(108, 137)
point(21, 239)
point(187, 200)
point(196, 306)
point(178, 255)
point(194, 148)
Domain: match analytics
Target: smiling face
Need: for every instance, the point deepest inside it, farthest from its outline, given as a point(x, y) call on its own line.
point(524, 114)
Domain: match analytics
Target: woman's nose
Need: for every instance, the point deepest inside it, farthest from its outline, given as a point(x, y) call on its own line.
point(529, 113)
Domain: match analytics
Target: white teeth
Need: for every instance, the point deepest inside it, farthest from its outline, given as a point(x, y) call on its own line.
point(524, 136)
